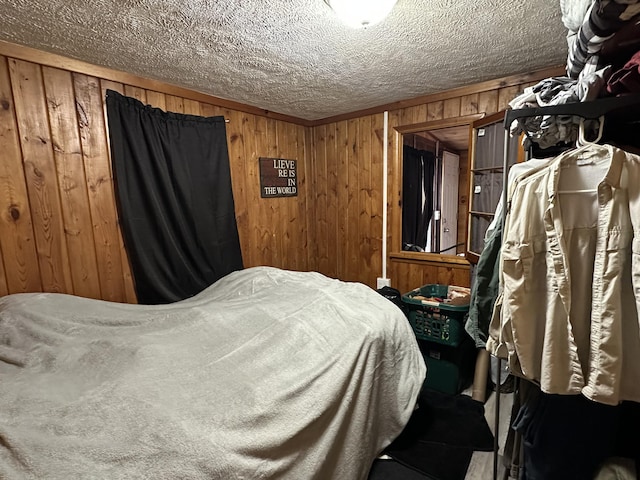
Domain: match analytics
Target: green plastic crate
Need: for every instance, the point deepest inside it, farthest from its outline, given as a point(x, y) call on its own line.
point(449, 369)
point(435, 321)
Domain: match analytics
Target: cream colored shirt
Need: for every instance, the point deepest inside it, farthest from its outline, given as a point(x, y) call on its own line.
point(570, 272)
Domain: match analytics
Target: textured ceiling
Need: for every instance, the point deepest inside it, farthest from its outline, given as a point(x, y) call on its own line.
point(294, 56)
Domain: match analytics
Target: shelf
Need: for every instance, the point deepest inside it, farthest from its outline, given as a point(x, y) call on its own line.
point(487, 169)
point(482, 214)
point(486, 175)
point(617, 106)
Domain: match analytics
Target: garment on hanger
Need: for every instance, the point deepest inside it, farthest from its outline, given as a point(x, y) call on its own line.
point(484, 289)
point(485, 285)
point(570, 437)
point(567, 318)
point(516, 171)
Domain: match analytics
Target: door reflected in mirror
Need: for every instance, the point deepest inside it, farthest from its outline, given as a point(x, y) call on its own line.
point(435, 187)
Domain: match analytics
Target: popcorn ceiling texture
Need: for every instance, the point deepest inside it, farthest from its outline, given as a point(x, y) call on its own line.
point(294, 56)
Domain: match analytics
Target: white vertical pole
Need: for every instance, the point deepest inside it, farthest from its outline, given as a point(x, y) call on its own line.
point(385, 153)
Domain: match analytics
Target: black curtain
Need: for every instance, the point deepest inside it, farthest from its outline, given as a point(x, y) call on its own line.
point(175, 203)
point(418, 170)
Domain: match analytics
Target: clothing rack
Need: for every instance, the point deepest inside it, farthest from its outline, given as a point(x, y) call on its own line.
point(615, 110)
point(618, 106)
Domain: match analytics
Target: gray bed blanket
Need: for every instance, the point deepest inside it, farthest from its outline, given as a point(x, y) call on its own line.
point(266, 374)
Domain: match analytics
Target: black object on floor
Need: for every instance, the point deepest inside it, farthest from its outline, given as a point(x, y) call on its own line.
point(441, 436)
point(435, 461)
point(392, 470)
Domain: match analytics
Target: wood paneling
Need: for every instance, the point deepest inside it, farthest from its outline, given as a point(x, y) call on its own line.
point(129, 288)
point(463, 199)
point(517, 81)
point(41, 175)
point(318, 213)
point(344, 170)
point(407, 274)
point(12, 50)
point(262, 238)
point(156, 99)
point(236, 147)
point(363, 171)
point(352, 180)
point(21, 272)
point(174, 104)
point(59, 226)
point(100, 189)
point(251, 253)
point(76, 213)
point(305, 207)
point(191, 107)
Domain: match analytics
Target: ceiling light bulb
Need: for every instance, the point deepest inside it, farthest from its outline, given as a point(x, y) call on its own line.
point(361, 13)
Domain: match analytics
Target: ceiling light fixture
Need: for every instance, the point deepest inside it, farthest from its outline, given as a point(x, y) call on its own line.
point(361, 13)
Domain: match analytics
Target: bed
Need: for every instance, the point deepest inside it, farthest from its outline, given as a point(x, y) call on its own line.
point(266, 374)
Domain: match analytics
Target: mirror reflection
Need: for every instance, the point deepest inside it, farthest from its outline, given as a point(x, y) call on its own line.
point(434, 190)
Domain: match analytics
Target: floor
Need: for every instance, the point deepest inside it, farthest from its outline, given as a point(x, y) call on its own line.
point(482, 463)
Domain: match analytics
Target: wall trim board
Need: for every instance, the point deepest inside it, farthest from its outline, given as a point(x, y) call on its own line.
point(54, 60)
point(510, 81)
point(453, 261)
point(60, 231)
point(341, 174)
point(437, 124)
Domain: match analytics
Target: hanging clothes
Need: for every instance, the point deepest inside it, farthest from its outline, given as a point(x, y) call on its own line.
point(567, 318)
point(486, 285)
point(570, 437)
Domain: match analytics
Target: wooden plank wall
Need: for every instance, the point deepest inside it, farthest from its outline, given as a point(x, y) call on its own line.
point(59, 230)
point(407, 274)
point(348, 187)
point(348, 198)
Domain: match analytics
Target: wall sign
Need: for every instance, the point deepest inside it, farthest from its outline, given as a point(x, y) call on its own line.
point(278, 177)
